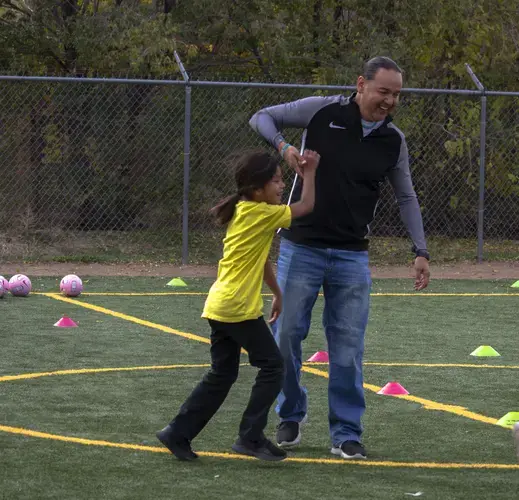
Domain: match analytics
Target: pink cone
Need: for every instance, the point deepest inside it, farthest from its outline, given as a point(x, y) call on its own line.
point(319, 357)
point(392, 389)
point(65, 322)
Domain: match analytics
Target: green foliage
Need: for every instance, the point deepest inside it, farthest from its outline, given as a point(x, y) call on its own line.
point(319, 41)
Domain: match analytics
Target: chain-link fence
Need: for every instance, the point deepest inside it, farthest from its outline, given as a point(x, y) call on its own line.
point(122, 170)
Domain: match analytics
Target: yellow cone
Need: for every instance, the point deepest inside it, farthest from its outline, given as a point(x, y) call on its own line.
point(176, 282)
point(509, 419)
point(485, 350)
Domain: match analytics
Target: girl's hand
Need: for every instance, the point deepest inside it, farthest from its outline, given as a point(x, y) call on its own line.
point(312, 159)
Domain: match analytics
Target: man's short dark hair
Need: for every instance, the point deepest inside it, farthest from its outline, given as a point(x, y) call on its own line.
point(379, 62)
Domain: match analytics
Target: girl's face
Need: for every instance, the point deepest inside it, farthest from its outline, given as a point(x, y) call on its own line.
point(271, 192)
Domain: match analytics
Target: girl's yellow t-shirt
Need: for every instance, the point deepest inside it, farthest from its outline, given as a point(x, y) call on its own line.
point(236, 294)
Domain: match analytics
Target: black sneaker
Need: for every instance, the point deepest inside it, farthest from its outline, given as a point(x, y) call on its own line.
point(180, 447)
point(289, 433)
point(264, 450)
point(350, 450)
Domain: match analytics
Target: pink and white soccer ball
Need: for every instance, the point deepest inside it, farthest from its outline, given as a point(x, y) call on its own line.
point(4, 286)
point(71, 285)
point(20, 285)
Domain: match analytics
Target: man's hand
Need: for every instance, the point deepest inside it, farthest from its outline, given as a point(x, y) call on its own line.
point(277, 307)
point(421, 268)
point(294, 159)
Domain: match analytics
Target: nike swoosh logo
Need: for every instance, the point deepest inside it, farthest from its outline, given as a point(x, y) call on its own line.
point(332, 125)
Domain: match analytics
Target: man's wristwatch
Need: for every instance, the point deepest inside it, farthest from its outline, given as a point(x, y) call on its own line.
point(422, 253)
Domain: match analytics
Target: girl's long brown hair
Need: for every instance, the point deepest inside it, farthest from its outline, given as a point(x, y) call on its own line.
point(253, 170)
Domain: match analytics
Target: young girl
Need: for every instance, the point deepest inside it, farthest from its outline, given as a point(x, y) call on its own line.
point(234, 307)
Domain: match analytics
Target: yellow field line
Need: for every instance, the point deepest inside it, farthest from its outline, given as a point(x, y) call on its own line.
point(377, 294)
point(232, 456)
point(86, 371)
point(127, 294)
point(429, 405)
point(83, 371)
point(424, 365)
point(443, 294)
point(426, 403)
point(126, 317)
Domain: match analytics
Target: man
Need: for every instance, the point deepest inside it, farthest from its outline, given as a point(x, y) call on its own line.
point(359, 148)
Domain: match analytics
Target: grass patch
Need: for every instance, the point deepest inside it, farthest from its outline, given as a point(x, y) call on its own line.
point(129, 406)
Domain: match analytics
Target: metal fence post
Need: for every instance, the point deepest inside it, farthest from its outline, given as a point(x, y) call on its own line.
point(482, 167)
point(187, 151)
point(482, 160)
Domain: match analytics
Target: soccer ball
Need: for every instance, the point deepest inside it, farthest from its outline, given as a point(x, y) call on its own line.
point(3, 291)
point(20, 285)
point(71, 285)
point(4, 284)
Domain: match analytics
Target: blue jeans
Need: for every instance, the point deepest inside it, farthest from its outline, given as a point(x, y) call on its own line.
point(346, 281)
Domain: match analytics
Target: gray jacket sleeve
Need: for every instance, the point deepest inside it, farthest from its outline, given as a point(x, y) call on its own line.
point(400, 179)
point(270, 122)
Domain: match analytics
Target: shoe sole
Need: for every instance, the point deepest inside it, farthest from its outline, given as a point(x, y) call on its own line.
point(242, 450)
point(288, 445)
point(340, 453)
point(177, 452)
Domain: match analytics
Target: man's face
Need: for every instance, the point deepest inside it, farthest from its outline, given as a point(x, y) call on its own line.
point(379, 97)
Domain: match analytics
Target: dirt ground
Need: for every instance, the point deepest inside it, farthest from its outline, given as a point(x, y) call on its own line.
point(486, 270)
